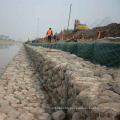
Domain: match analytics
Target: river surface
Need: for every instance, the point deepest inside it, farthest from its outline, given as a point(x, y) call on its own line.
point(7, 53)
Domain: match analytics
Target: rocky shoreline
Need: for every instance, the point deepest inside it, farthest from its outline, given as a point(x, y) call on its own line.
point(40, 84)
point(19, 100)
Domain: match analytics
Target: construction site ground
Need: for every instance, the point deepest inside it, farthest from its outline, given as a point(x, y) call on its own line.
point(111, 30)
point(85, 40)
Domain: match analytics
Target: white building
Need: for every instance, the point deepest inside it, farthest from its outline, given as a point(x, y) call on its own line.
point(4, 37)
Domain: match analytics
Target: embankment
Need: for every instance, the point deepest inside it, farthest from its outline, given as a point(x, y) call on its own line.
point(44, 84)
point(69, 81)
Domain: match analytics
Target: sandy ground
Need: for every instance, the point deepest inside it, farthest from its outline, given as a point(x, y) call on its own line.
point(93, 40)
point(85, 40)
point(9, 42)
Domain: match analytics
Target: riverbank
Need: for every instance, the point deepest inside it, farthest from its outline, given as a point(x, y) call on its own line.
point(19, 100)
point(9, 42)
point(7, 53)
point(85, 90)
point(45, 84)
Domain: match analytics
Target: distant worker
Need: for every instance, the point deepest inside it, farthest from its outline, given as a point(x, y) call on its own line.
point(82, 36)
point(49, 33)
point(54, 37)
point(98, 32)
point(73, 36)
point(58, 38)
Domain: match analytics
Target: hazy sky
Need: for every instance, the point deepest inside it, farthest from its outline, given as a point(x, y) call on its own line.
point(19, 18)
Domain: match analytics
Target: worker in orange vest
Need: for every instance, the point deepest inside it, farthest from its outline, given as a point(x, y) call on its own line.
point(49, 33)
point(98, 32)
point(73, 36)
point(82, 36)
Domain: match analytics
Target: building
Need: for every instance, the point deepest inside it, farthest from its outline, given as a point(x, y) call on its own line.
point(4, 37)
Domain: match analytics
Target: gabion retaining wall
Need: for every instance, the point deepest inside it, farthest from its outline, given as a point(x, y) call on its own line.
point(79, 88)
point(106, 53)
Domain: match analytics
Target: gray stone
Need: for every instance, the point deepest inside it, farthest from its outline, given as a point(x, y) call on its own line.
point(3, 116)
point(59, 115)
point(26, 116)
point(11, 99)
point(76, 116)
point(116, 87)
point(109, 77)
point(13, 113)
point(5, 109)
point(45, 116)
point(37, 110)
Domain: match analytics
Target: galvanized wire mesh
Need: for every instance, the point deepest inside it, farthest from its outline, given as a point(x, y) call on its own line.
point(101, 105)
point(99, 53)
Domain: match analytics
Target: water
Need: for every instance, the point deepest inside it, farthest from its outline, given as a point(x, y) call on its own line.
point(7, 53)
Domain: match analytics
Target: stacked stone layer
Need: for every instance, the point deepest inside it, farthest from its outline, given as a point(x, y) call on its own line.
point(69, 81)
point(43, 85)
point(21, 97)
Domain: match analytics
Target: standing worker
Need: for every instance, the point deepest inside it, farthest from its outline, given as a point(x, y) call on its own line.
point(98, 33)
point(73, 36)
point(54, 37)
point(82, 36)
point(49, 33)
